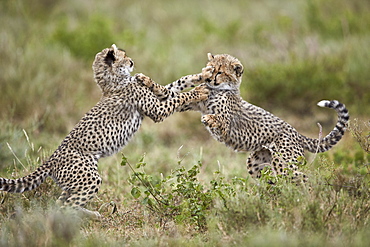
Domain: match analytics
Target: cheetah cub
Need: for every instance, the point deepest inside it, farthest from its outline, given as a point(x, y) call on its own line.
point(246, 127)
point(103, 131)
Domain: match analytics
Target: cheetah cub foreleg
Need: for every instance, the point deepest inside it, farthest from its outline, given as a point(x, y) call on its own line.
point(245, 127)
point(103, 131)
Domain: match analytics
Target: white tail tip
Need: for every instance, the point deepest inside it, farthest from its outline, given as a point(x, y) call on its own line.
point(323, 103)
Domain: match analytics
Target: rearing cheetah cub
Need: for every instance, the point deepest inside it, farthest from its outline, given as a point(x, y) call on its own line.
point(103, 131)
point(246, 127)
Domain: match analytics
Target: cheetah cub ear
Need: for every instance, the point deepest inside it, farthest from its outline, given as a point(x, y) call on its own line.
point(210, 56)
point(238, 69)
point(110, 58)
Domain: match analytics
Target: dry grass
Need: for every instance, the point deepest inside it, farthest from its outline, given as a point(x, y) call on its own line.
point(294, 53)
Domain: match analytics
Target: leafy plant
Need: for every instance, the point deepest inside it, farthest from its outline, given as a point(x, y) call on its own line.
point(180, 196)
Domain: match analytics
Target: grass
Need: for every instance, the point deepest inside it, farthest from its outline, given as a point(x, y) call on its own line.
point(294, 53)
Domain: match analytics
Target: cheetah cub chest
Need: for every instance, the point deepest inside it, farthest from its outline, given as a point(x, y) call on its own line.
point(103, 131)
point(245, 127)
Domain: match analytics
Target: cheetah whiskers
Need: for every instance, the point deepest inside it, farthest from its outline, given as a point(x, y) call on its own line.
point(245, 127)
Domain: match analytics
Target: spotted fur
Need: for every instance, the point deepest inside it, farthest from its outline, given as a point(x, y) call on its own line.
point(246, 127)
point(103, 131)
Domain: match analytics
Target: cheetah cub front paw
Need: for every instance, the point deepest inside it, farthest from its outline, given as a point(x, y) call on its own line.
point(207, 73)
point(144, 80)
point(202, 91)
point(210, 121)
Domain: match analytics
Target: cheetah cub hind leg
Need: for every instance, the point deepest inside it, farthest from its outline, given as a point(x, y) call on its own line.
point(85, 213)
point(81, 212)
point(258, 160)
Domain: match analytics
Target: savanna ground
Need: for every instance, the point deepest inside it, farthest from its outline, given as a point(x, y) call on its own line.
point(188, 190)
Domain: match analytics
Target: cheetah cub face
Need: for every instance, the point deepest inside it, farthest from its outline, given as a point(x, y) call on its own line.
point(223, 72)
point(112, 68)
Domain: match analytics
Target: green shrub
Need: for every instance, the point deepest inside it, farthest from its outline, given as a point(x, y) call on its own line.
point(295, 84)
point(87, 38)
point(337, 19)
point(179, 196)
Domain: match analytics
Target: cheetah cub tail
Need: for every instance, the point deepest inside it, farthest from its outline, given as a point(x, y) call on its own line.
point(325, 103)
point(326, 143)
point(26, 183)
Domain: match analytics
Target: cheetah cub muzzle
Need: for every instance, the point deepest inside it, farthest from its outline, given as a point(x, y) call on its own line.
point(246, 127)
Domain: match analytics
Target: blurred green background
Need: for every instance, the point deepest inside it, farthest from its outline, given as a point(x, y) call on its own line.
point(295, 53)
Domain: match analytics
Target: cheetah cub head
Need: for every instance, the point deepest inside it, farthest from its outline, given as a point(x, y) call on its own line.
point(111, 67)
point(223, 72)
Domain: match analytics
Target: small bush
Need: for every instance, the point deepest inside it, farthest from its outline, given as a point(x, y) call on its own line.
point(361, 132)
point(178, 196)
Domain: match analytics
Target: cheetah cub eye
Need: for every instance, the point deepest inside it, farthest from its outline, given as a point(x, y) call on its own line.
point(125, 70)
point(117, 59)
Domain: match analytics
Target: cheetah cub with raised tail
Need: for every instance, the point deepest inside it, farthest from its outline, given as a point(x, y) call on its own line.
point(103, 131)
point(246, 127)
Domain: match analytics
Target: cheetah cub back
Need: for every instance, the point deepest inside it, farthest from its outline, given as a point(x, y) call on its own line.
point(246, 127)
point(103, 131)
